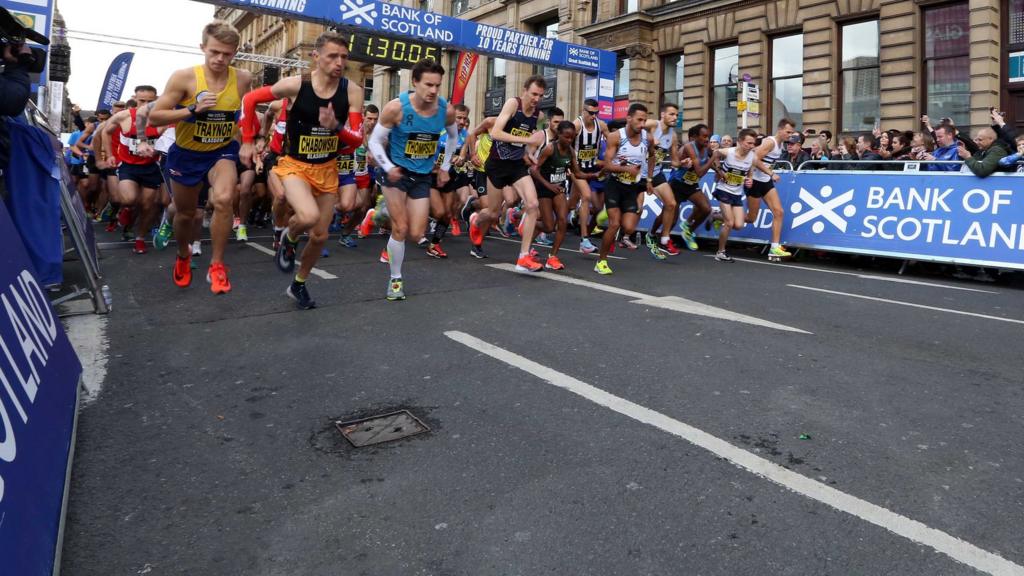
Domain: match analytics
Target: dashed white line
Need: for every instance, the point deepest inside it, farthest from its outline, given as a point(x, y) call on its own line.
point(955, 548)
point(316, 271)
point(667, 302)
point(863, 276)
point(910, 304)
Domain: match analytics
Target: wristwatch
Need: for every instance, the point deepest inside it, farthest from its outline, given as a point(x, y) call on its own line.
point(192, 109)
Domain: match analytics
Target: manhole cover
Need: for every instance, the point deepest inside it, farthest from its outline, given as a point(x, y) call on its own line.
point(383, 428)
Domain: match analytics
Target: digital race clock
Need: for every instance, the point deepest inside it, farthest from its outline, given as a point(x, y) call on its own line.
point(390, 51)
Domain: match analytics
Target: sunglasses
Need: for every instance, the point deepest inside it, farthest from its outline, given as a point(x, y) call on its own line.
point(591, 112)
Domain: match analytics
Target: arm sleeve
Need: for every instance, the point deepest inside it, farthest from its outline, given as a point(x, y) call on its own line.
point(449, 145)
point(377, 139)
point(353, 135)
point(250, 121)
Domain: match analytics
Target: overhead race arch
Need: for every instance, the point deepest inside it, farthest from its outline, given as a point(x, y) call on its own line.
point(392, 20)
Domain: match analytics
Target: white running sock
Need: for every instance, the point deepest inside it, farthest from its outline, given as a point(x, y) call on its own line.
point(664, 240)
point(396, 254)
point(775, 245)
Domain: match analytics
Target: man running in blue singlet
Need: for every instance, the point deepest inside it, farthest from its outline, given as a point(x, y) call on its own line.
point(405, 145)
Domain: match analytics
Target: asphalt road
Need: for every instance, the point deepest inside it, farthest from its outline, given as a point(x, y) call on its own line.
point(897, 401)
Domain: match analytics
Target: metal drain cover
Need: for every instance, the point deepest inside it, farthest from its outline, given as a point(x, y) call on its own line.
point(383, 428)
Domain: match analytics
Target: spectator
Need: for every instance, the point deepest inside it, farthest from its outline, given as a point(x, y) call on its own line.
point(727, 141)
point(715, 142)
point(866, 146)
point(921, 144)
point(1006, 134)
point(795, 154)
point(948, 122)
point(1009, 163)
point(15, 90)
point(990, 151)
point(946, 149)
point(884, 146)
point(902, 148)
point(818, 150)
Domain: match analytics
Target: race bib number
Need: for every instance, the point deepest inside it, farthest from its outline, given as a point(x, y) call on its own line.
point(587, 154)
point(346, 164)
point(627, 178)
point(660, 154)
point(214, 127)
point(421, 146)
point(734, 179)
point(522, 133)
point(690, 177)
point(558, 177)
point(316, 147)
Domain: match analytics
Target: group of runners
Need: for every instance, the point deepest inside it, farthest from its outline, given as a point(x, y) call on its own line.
point(306, 153)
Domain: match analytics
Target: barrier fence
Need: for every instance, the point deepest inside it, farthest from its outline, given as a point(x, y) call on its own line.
point(946, 217)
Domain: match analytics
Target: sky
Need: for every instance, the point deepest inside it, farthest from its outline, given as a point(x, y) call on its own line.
point(172, 21)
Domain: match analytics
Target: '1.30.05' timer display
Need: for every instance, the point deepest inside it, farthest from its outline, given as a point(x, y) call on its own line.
point(390, 52)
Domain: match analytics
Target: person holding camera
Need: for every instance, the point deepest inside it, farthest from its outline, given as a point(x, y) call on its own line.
point(15, 90)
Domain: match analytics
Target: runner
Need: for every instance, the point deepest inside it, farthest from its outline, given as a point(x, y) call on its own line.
point(557, 161)
point(364, 185)
point(107, 176)
point(591, 131)
point(733, 166)
point(275, 123)
point(244, 200)
point(321, 102)
point(441, 195)
point(666, 148)
point(629, 154)
point(695, 160)
point(139, 177)
point(768, 153)
point(411, 124)
point(513, 131)
point(203, 102)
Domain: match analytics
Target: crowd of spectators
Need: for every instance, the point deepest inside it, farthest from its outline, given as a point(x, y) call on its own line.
point(942, 147)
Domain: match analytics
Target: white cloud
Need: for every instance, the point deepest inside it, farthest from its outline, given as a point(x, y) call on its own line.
point(172, 21)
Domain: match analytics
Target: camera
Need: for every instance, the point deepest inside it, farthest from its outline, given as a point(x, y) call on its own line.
point(13, 34)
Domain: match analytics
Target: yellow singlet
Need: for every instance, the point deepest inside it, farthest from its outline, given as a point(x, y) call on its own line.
point(483, 149)
point(214, 128)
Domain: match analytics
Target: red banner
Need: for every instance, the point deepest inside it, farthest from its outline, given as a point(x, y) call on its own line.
point(463, 71)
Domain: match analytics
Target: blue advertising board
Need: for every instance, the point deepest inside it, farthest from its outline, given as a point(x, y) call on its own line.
point(943, 217)
point(39, 378)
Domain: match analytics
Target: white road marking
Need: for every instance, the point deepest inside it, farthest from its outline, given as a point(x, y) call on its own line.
point(315, 271)
point(955, 548)
point(668, 302)
point(911, 304)
point(864, 276)
point(88, 336)
point(563, 248)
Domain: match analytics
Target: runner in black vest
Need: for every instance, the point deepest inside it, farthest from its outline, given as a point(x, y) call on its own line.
point(513, 133)
point(320, 105)
point(557, 163)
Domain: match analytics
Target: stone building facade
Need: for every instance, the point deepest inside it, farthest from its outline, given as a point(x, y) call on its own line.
point(844, 65)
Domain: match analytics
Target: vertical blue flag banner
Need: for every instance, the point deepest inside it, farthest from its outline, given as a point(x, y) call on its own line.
point(113, 84)
point(39, 378)
point(928, 216)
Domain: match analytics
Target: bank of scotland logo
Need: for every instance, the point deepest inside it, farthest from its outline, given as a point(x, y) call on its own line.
point(821, 210)
point(362, 11)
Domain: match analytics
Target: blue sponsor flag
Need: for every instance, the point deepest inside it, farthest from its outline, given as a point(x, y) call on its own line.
point(113, 85)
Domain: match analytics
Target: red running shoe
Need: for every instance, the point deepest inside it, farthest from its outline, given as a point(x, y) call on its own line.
point(217, 276)
point(182, 271)
point(140, 246)
point(476, 235)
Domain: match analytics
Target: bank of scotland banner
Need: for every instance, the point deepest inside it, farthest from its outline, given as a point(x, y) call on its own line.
point(945, 217)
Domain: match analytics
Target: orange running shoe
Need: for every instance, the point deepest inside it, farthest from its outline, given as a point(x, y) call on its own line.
point(456, 227)
point(182, 271)
point(554, 263)
point(217, 276)
point(476, 235)
point(366, 226)
point(527, 264)
point(384, 257)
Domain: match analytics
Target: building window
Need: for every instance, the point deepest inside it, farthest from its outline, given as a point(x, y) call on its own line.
point(723, 94)
point(394, 84)
point(459, 6)
point(547, 29)
point(628, 6)
point(622, 77)
point(788, 79)
point(496, 74)
point(427, 5)
point(368, 88)
point(593, 11)
point(947, 63)
point(672, 79)
point(860, 102)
